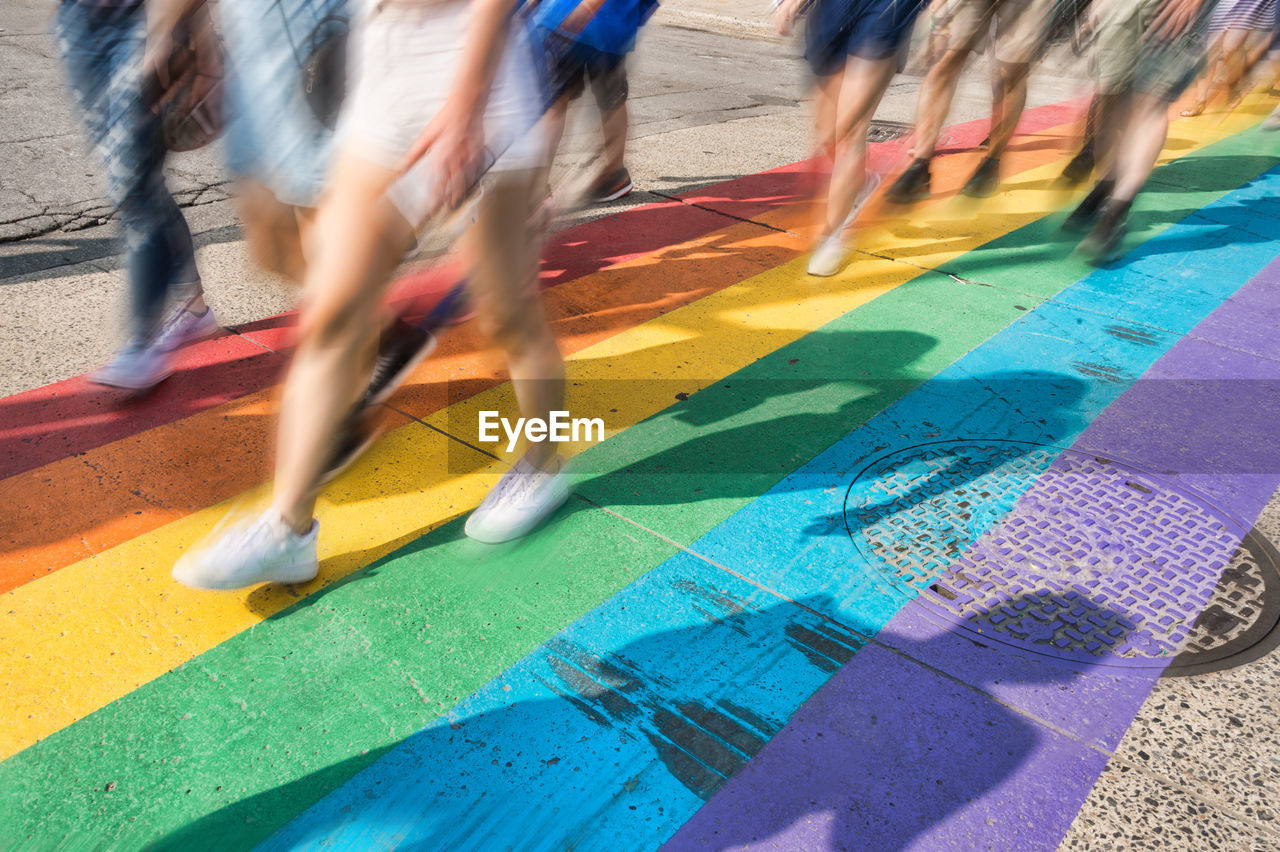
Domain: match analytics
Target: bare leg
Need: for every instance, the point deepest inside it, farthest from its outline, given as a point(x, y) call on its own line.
point(998, 94)
point(503, 261)
point(359, 240)
point(553, 121)
point(1144, 137)
point(826, 102)
point(860, 89)
point(271, 230)
point(1013, 88)
point(1110, 123)
point(1235, 49)
point(1205, 85)
point(614, 126)
point(936, 95)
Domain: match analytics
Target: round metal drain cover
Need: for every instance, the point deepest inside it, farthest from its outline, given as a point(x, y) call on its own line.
point(1069, 555)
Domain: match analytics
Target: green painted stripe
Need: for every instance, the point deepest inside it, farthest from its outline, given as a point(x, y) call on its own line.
point(230, 746)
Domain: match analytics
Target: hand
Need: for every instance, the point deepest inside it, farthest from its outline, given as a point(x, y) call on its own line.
point(170, 24)
point(1174, 18)
point(577, 20)
point(454, 139)
point(157, 76)
point(785, 13)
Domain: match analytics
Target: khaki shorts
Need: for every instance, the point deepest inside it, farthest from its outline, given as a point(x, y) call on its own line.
point(1021, 27)
point(1126, 60)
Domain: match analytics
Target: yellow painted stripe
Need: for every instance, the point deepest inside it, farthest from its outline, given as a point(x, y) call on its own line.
point(83, 636)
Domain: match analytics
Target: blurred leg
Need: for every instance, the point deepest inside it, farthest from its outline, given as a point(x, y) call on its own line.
point(1013, 89)
point(102, 51)
point(615, 124)
point(859, 91)
point(1143, 138)
point(936, 95)
point(271, 229)
point(503, 260)
point(359, 240)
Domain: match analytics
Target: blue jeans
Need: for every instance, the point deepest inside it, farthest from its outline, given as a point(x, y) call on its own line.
point(102, 51)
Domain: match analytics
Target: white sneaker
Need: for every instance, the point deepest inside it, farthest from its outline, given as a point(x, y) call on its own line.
point(522, 499)
point(828, 257)
point(140, 365)
point(182, 326)
point(264, 550)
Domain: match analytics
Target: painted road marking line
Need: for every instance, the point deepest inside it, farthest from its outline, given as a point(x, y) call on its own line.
point(43, 539)
point(45, 695)
point(384, 801)
point(572, 253)
point(51, 509)
point(643, 747)
point(1098, 706)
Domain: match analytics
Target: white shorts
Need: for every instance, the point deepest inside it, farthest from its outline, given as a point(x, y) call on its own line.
point(406, 56)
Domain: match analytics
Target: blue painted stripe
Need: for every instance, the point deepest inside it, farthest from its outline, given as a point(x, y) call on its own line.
point(621, 725)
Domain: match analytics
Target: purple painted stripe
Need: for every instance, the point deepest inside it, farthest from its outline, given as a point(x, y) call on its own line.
point(901, 750)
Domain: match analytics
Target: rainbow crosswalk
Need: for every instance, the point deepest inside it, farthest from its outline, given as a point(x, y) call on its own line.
point(661, 663)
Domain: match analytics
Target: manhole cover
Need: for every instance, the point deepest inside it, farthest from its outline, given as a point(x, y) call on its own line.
point(887, 131)
point(1068, 555)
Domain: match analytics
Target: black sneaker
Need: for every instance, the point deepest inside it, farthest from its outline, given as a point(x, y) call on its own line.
point(912, 185)
point(1080, 167)
point(402, 348)
point(611, 187)
point(985, 180)
point(405, 344)
point(1083, 217)
point(356, 435)
point(1103, 245)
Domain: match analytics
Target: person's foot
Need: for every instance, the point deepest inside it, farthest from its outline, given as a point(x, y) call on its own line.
point(610, 187)
point(185, 325)
point(828, 255)
point(524, 497)
point(1084, 216)
point(1195, 109)
point(1104, 243)
point(912, 185)
point(139, 365)
point(985, 180)
point(1080, 167)
point(264, 550)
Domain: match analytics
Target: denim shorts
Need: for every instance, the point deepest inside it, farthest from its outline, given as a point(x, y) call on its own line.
point(870, 29)
point(571, 65)
point(272, 134)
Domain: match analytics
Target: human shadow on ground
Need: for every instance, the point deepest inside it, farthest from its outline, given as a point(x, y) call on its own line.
point(587, 741)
